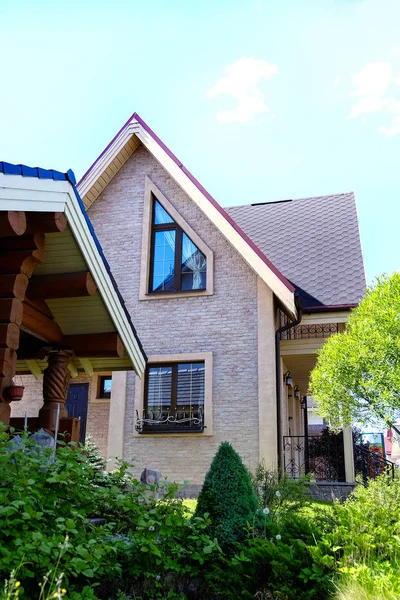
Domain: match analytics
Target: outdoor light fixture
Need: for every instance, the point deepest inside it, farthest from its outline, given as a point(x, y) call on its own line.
point(296, 391)
point(287, 378)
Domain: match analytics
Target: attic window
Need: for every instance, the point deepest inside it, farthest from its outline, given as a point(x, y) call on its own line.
point(177, 264)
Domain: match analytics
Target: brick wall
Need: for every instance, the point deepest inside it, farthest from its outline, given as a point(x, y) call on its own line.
point(225, 323)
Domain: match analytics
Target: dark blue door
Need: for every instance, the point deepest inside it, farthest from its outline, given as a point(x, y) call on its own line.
point(77, 405)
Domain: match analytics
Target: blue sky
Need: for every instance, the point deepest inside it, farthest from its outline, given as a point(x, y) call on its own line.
point(262, 100)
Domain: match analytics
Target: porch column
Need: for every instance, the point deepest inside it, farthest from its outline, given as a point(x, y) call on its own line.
point(348, 454)
point(55, 388)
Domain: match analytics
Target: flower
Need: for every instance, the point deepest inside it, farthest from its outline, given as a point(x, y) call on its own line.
point(266, 510)
point(278, 537)
point(17, 584)
point(151, 528)
point(277, 494)
point(64, 591)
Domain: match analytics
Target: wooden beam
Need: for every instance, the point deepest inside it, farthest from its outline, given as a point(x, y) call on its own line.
point(40, 326)
point(23, 242)
point(87, 365)
point(40, 306)
point(96, 345)
point(12, 222)
point(13, 285)
point(66, 285)
point(20, 261)
point(73, 370)
point(45, 222)
point(11, 310)
point(34, 368)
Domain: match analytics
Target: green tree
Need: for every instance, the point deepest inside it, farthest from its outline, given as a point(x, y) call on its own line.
point(357, 375)
point(228, 497)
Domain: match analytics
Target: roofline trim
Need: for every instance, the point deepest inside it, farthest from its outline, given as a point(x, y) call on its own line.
point(329, 308)
point(28, 193)
point(256, 259)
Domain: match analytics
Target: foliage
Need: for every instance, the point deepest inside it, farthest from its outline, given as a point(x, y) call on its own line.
point(280, 493)
point(357, 375)
point(227, 497)
point(363, 544)
point(146, 544)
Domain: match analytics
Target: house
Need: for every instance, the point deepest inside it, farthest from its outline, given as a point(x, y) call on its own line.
point(61, 312)
point(231, 306)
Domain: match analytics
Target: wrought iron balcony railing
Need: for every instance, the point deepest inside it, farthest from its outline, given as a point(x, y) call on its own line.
point(181, 421)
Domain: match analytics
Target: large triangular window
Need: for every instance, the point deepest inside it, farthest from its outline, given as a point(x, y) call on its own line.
point(176, 263)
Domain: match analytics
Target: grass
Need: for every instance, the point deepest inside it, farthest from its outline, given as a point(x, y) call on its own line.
point(190, 504)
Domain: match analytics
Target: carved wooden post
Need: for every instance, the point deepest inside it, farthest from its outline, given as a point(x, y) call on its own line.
point(55, 388)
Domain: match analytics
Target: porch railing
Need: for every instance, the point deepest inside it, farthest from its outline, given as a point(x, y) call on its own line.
point(370, 463)
point(323, 456)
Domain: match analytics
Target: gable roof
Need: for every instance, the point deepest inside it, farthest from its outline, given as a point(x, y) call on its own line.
point(34, 189)
point(315, 242)
point(119, 150)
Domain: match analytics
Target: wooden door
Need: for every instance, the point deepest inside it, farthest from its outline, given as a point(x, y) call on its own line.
point(77, 405)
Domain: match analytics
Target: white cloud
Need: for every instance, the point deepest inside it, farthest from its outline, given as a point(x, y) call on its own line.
point(336, 82)
point(241, 82)
point(376, 92)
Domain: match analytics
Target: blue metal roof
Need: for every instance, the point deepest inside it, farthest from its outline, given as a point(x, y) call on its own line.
point(10, 169)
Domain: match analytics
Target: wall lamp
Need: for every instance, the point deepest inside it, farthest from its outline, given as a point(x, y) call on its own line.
point(296, 391)
point(287, 378)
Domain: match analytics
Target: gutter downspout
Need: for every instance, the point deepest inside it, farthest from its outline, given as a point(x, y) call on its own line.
point(279, 374)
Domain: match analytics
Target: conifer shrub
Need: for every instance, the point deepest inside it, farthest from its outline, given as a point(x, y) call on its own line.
point(228, 497)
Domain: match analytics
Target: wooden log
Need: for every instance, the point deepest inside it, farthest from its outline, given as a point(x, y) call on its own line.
point(12, 222)
point(23, 242)
point(8, 360)
point(67, 285)
point(96, 345)
point(40, 326)
point(9, 335)
point(40, 306)
point(20, 261)
point(11, 310)
point(45, 222)
point(13, 285)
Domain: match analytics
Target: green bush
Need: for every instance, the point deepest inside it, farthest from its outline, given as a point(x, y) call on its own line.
point(147, 546)
point(363, 544)
point(227, 497)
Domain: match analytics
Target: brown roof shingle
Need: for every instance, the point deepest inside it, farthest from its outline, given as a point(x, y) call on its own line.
point(314, 242)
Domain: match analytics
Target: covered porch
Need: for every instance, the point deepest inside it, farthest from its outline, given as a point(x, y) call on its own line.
point(61, 314)
point(305, 446)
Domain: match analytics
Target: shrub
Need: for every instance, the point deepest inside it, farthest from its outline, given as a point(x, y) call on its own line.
point(147, 546)
point(228, 497)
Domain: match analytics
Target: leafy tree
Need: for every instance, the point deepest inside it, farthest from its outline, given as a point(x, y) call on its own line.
point(357, 375)
point(228, 497)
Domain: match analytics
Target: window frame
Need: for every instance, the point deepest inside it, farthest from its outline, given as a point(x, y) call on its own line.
point(101, 395)
point(150, 190)
point(186, 357)
point(174, 396)
point(155, 227)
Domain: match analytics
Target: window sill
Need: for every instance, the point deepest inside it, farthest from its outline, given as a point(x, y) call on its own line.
point(172, 295)
point(163, 434)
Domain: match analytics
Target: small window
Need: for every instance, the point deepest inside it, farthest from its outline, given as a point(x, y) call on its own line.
point(174, 398)
point(177, 265)
point(105, 383)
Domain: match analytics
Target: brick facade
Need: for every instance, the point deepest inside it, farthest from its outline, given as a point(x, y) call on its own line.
point(224, 323)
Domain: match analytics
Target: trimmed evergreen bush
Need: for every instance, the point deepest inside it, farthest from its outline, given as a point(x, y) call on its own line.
point(228, 497)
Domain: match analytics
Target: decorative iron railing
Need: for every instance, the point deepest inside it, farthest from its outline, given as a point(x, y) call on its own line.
point(182, 421)
point(305, 332)
point(370, 463)
point(323, 456)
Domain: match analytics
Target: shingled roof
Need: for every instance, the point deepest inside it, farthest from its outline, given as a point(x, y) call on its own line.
point(314, 242)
